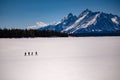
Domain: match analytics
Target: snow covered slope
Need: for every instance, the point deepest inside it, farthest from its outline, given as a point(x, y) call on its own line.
point(87, 22)
point(61, 25)
point(37, 25)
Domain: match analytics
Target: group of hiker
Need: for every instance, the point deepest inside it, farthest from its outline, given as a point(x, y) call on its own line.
point(31, 53)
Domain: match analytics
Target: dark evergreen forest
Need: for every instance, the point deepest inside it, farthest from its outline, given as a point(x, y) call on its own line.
point(21, 33)
point(25, 33)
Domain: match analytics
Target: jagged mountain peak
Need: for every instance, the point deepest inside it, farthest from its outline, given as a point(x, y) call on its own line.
point(62, 24)
point(70, 15)
point(87, 21)
point(87, 10)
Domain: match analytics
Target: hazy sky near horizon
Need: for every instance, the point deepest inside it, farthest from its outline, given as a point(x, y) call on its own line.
point(23, 13)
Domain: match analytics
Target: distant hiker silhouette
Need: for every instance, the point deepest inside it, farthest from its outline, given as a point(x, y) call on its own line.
point(31, 53)
point(25, 53)
point(36, 53)
point(28, 53)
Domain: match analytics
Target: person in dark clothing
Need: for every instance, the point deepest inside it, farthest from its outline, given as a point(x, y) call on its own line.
point(36, 53)
point(28, 53)
point(31, 53)
point(25, 54)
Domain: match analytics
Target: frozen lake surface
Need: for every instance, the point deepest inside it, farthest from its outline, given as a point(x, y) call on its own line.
point(84, 58)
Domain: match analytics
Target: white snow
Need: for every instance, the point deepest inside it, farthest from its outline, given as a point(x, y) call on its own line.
point(57, 23)
point(84, 58)
point(76, 23)
point(85, 25)
point(76, 26)
point(93, 21)
point(38, 25)
point(41, 24)
point(114, 20)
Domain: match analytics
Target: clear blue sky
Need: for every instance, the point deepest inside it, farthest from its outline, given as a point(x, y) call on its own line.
point(21, 13)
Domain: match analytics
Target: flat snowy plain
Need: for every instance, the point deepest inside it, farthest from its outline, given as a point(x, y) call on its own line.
point(83, 58)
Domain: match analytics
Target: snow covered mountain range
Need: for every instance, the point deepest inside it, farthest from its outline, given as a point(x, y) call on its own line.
point(86, 22)
point(37, 25)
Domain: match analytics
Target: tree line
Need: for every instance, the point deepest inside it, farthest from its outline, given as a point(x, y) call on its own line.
point(19, 33)
point(26, 33)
